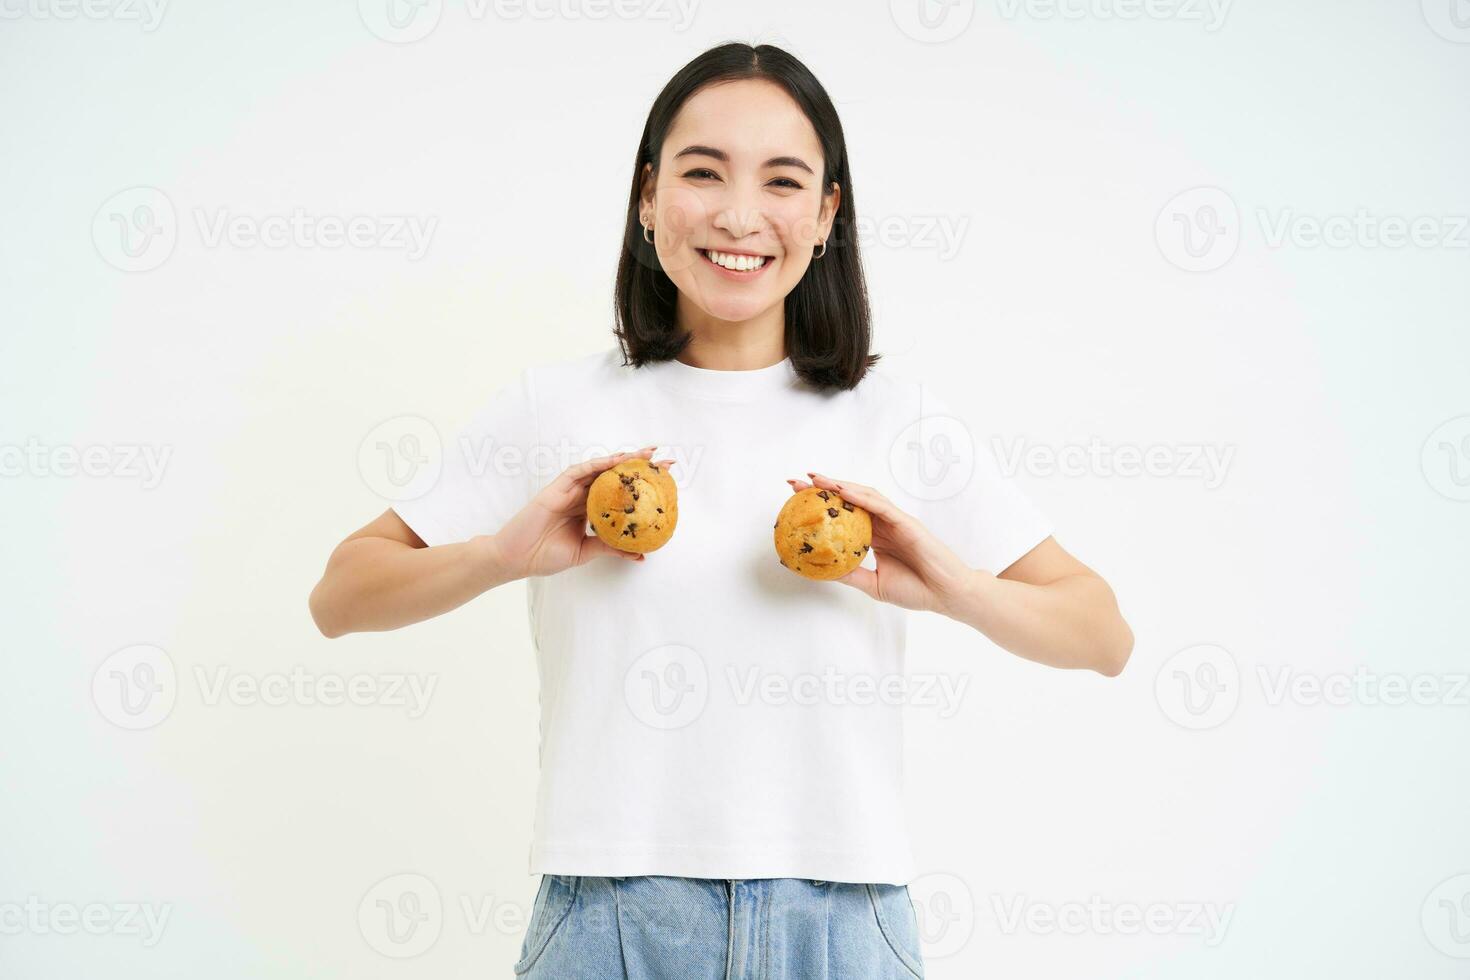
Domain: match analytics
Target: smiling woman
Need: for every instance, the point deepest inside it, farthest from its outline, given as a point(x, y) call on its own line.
point(742, 158)
point(677, 785)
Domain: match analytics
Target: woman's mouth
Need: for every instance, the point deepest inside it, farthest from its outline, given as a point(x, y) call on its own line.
point(736, 265)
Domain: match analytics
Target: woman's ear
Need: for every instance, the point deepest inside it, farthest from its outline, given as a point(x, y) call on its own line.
point(645, 194)
point(830, 204)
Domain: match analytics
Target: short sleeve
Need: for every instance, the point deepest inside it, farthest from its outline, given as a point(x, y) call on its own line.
point(486, 476)
point(959, 491)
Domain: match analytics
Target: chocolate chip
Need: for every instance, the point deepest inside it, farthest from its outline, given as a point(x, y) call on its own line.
point(628, 509)
point(865, 547)
point(635, 494)
point(823, 495)
point(659, 509)
point(857, 552)
point(831, 511)
point(604, 513)
point(805, 547)
point(846, 505)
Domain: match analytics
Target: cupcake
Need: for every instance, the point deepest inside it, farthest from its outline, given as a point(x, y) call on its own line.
point(633, 506)
point(821, 536)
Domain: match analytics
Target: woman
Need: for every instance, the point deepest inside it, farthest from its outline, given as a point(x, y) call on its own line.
point(696, 815)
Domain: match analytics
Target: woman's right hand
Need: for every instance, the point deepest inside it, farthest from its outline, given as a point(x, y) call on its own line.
point(549, 534)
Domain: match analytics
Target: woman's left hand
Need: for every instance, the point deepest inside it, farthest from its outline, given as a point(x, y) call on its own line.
point(915, 569)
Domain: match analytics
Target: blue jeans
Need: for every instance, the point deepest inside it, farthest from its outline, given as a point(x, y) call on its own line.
point(656, 927)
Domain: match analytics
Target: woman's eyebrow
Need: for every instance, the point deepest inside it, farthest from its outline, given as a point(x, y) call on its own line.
point(723, 157)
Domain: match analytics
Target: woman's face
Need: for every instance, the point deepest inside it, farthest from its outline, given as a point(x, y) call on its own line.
point(740, 176)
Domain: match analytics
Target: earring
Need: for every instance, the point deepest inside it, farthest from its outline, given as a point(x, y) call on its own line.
point(646, 237)
point(818, 255)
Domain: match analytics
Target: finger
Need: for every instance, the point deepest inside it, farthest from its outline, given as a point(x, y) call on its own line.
point(570, 488)
point(865, 580)
point(880, 529)
point(595, 547)
point(865, 497)
point(588, 470)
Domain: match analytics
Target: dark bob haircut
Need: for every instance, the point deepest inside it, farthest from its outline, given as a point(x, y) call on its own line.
point(828, 331)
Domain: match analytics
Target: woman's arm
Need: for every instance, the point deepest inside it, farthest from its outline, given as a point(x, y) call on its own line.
point(1047, 606)
point(383, 576)
point(1050, 608)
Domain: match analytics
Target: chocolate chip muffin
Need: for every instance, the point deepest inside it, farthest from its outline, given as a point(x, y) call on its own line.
point(633, 506)
point(821, 536)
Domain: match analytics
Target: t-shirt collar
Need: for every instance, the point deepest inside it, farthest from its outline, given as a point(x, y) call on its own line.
point(724, 385)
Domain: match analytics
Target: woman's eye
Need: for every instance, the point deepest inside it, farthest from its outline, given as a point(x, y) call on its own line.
point(704, 173)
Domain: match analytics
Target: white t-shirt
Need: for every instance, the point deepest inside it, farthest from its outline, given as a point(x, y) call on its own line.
point(707, 712)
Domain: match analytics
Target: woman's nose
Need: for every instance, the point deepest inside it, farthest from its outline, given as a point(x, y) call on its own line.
point(738, 222)
point(740, 213)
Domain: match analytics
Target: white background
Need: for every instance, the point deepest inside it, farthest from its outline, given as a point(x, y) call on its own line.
point(1056, 143)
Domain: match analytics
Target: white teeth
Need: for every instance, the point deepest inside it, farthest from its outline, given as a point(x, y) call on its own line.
point(739, 263)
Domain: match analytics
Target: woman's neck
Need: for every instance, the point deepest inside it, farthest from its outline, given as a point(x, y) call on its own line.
point(727, 345)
